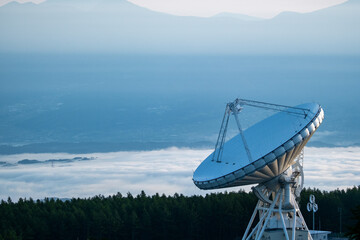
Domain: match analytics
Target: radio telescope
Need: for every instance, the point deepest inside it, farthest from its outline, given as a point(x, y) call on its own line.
point(269, 154)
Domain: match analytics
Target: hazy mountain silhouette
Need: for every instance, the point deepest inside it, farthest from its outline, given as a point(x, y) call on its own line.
point(120, 26)
point(238, 16)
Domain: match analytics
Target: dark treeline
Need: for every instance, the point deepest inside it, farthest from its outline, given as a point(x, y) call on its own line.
point(214, 216)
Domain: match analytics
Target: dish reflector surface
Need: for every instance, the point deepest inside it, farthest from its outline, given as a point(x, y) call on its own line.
point(274, 143)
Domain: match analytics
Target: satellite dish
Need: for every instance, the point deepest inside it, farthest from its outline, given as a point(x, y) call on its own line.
point(309, 207)
point(315, 207)
point(312, 198)
point(312, 206)
point(270, 154)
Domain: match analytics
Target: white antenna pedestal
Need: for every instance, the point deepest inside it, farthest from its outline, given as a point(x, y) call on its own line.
point(274, 161)
point(277, 208)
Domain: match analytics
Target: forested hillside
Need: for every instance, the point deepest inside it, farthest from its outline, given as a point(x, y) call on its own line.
point(214, 216)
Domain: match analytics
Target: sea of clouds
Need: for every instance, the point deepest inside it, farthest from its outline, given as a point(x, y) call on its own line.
point(165, 171)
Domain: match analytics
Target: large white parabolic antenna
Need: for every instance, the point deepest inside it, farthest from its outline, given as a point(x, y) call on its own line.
point(269, 154)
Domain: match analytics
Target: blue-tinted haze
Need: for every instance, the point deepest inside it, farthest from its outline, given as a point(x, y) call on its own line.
point(120, 27)
point(120, 77)
point(142, 102)
point(115, 76)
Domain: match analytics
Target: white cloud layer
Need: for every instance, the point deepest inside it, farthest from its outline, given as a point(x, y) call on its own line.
point(165, 171)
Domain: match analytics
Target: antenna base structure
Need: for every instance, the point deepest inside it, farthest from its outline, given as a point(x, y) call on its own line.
point(277, 208)
point(268, 153)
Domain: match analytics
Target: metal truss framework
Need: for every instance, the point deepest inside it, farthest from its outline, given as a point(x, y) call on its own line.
point(277, 207)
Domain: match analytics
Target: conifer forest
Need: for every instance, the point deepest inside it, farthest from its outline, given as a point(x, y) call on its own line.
point(214, 216)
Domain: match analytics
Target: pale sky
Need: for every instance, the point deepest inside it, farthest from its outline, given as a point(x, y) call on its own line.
point(207, 8)
point(256, 8)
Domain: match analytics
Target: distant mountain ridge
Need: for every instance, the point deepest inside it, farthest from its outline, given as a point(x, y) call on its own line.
point(238, 16)
point(123, 27)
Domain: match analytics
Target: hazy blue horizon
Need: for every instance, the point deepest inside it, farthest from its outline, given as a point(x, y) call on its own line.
point(165, 100)
point(125, 28)
point(96, 83)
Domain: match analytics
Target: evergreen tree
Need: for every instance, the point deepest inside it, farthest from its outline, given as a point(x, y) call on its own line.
point(214, 216)
point(354, 231)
